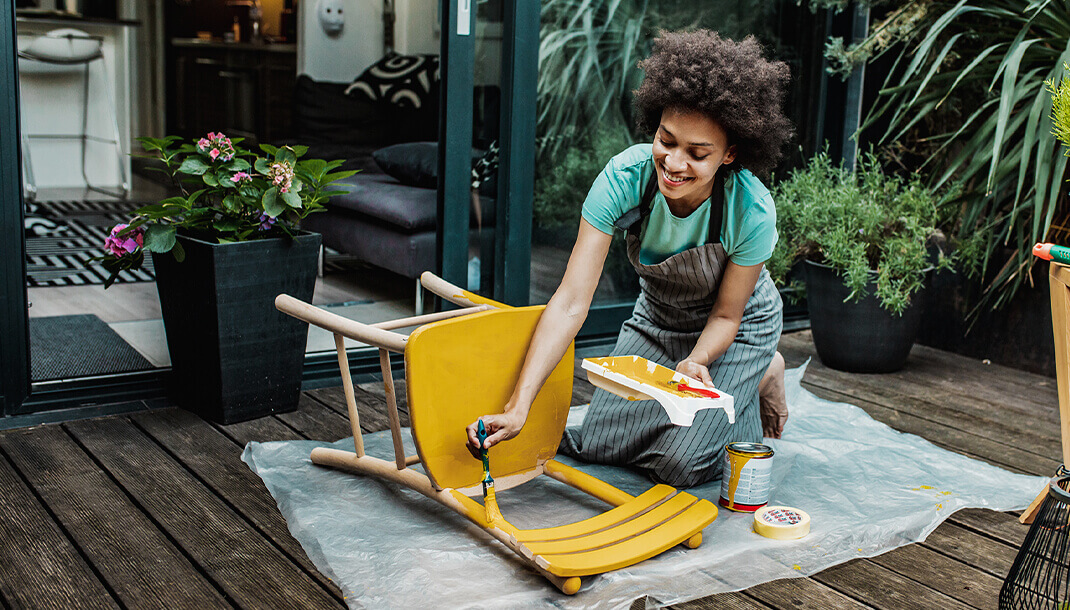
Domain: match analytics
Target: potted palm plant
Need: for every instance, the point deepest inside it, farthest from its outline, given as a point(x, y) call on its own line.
point(866, 241)
point(223, 250)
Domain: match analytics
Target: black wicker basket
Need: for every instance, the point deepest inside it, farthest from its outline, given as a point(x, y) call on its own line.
point(1040, 574)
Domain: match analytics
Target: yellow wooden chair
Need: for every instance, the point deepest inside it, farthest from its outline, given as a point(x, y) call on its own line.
point(462, 364)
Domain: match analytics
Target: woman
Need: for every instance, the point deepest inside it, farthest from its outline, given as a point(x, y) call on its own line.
point(699, 227)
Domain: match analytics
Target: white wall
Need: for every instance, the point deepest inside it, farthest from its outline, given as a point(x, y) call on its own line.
point(342, 58)
point(416, 29)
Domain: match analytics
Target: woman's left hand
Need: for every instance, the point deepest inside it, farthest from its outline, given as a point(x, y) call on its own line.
point(695, 370)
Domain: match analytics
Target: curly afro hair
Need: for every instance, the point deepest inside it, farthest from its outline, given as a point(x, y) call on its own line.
point(730, 82)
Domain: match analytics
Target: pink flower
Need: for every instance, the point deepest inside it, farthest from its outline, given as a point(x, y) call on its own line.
point(281, 174)
point(122, 245)
point(238, 177)
point(217, 145)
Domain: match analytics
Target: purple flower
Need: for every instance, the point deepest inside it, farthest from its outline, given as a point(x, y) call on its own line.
point(122, 245)
point(266, 222)
point(203, 144)
point(238, 177)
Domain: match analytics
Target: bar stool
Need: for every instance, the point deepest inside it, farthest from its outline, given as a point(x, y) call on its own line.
point(71, 47)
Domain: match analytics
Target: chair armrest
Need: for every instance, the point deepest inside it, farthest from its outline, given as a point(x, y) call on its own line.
point(335, 323)
point(456, 294)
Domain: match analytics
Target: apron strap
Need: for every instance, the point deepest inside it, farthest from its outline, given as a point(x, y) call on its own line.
point(632, 220)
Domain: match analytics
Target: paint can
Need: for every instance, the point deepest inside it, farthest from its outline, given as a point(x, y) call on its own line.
point(746, 476)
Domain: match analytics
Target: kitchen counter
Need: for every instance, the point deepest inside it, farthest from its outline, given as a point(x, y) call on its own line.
point(271, 47)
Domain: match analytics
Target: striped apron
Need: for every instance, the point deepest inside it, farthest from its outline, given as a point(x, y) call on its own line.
point(674, 304)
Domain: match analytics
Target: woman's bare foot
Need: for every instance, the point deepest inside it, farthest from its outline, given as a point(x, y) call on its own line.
point(772, 400)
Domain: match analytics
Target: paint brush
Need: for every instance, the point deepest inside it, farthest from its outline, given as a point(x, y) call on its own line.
point(490, 502)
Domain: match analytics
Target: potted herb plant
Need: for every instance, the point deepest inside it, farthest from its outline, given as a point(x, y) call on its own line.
point(222, 251)
point(865, 240)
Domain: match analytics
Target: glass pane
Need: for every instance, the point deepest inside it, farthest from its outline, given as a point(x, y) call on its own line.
point(486, 96)
point(587, 71)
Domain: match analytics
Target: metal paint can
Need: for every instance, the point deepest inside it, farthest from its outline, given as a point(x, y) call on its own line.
point(746, 476)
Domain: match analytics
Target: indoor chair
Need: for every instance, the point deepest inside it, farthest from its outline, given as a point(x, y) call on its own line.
point(462, 364)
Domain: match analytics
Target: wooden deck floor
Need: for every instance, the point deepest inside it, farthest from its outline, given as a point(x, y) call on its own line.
point(156, 510)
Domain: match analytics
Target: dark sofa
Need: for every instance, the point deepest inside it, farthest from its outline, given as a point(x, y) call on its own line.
point(381, 220)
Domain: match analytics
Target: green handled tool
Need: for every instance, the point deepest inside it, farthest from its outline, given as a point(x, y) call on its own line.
point(490, 502)
point(1049, 252)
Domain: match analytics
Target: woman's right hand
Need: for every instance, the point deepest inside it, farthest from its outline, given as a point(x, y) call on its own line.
point(500, 427)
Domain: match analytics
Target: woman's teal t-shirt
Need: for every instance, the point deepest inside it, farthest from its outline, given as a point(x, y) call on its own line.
point(748, 227)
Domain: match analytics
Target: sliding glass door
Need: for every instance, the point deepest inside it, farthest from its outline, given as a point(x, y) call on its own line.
point(14, 352)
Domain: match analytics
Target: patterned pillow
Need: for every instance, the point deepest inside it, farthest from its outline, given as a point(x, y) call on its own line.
point(406, 81)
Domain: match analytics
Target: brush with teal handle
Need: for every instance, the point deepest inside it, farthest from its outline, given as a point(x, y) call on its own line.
point(490, 502)
point(1051, 252)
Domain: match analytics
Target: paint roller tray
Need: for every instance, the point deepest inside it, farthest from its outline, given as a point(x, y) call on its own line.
point(637, 378)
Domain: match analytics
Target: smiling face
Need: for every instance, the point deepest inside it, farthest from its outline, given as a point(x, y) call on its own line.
point(689, 147)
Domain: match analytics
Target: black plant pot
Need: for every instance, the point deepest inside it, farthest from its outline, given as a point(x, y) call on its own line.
point(858, 337)
point(234, 357)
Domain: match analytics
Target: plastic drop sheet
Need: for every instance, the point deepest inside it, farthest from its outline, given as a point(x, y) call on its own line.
point(868, 489)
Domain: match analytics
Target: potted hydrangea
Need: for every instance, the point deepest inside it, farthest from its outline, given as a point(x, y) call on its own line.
point(866, 241)
point(222, 251)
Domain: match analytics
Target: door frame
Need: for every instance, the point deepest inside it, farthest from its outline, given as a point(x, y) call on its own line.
point(14, 314)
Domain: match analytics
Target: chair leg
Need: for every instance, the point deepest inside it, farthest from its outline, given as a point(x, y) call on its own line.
point(320, 262)
point(419, 298)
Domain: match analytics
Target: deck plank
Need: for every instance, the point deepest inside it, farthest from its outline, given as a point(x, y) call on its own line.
point(224, 545)
point(216, 461)
point(932, 396)
point(972, 548)
point(869, 582)
point(721, 601)
point(316, 421)
point(41, 567)
point(136, 560)
point(953, 578)
point(947, 437)
point(803, 594)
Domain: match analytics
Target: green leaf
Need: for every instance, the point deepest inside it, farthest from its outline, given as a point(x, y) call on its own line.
point(261, 165)
point(292, 199)
point(327, 179)
point(232, 204)
point(178, 252)
point(286, 155)
point(193, 166)
point(273, 206)
point(210, 179)
point(299, 151)
point(269, 149)
point(159, 238)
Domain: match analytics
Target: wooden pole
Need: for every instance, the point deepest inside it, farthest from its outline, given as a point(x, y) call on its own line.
point(351, 399)
point(392, 408)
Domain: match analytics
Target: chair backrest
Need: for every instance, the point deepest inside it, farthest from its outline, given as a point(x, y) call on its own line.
point(459, 369)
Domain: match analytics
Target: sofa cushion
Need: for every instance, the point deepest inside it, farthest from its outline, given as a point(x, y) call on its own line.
point(407, 208)
point(406, 81)
point(411, 163)
point(416, 164)
point(324, 114)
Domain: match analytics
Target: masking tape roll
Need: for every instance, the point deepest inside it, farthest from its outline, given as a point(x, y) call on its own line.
point(781, 522)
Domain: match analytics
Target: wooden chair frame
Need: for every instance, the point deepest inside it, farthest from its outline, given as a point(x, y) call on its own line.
point(645, 525)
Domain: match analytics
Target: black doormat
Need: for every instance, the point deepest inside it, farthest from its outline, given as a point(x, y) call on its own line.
point(62, 347)
point(62, 237)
